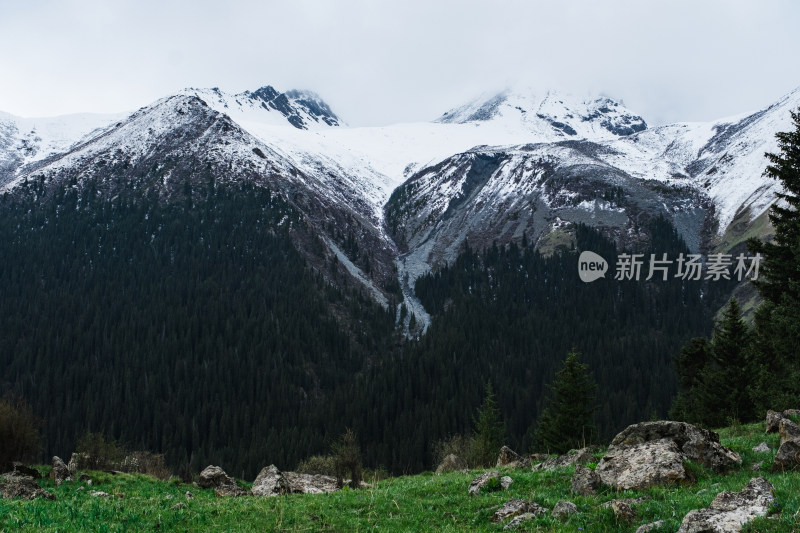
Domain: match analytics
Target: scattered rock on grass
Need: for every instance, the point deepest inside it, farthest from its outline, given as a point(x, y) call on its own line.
point(788, 456)
point(214, 476)
point(564, 509)
point(505, 482)
point(650, 527)
point(731, 510)
point(59, 473)
point(23, 488)
point(270, 482)
point(510, 458)
point(178, 506)
point(761, 448)
point(481, 481)
point(788, 430)
point(644, 465)
point(229, 491)
point(515, 523)
point(310, 483)
point(99, 494)
point(516, 507)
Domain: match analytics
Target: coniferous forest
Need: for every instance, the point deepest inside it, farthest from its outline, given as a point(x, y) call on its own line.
point(197, 329)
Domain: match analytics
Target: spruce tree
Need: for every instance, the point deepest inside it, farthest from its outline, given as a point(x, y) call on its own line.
point(489, 431)
point(566, 422)
point(776, 363)
point(690, 364)
point(722, 393)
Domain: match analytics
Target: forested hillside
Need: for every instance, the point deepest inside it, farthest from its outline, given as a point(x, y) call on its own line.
point(195, 328)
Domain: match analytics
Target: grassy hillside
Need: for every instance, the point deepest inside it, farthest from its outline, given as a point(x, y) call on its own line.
point(425, 502)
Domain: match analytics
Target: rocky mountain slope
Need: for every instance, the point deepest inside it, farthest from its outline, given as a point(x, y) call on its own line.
point(392, 202)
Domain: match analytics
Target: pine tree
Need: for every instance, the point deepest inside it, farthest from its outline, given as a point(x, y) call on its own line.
point(691, 362)
point(566, 422)
point(489, 431)
point(776, 363)
point(723, 384)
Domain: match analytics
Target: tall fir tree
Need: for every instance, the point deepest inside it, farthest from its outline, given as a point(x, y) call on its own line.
point(776, 354)
point(690, 364)
point(566, 422)
point(723, 384)
point(490, 431)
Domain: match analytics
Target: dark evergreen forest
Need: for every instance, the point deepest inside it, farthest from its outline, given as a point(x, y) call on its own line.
point(197, 329)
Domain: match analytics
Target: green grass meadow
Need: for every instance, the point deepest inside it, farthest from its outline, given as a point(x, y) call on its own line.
point(425, 502)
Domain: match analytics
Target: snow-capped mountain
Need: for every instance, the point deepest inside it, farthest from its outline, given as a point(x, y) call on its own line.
point(391, 202)
point(549, 117)
point(25, 141)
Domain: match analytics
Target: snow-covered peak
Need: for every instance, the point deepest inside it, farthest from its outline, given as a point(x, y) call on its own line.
point(549, 116)
point(301, 109)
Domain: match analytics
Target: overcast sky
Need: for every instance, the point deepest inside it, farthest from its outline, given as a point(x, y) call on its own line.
point(405, 60)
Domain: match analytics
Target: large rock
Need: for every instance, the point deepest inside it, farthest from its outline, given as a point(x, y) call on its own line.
point(788, 456)
point(573, 457)
point(451, 463)
point(774, 418)
point(585, 481)
point(309, 483)
point(731, 510)
point(638, 466)
point(481, 481)
point(788, 430)
point(23, 488)
point(516, 507)
point(59, 473)
point(696, 444)
point(214, 476)
point(270, 482)
point(510, 458)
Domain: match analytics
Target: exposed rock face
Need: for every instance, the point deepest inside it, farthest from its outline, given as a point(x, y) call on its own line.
point(505, 482)
point(510, 458)
point(788, 456)
point(310, 483)
point(639, 466)
point(451, 463)
point(270, 482)
point(731, 510)
point(585, 481)
point(582, 456)
point(23, 488)
point(78, 461)
point(699, 445)
point(481, 481)
point(59, 473)
point(516, 507)
point(214, 476)
point(564, 509)
point(788, 430)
